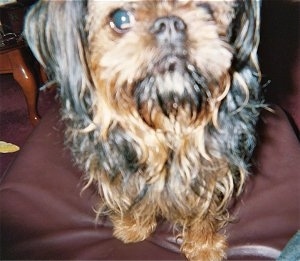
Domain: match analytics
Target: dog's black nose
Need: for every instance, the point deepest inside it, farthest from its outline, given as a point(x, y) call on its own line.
point(169, 30)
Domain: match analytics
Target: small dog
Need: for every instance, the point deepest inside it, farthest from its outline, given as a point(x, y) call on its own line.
point(160, 100)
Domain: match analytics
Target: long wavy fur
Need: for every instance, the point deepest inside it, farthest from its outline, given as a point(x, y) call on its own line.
point(212, 163)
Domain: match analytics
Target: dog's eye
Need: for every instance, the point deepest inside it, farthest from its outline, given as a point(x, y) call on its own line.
point(121, 20)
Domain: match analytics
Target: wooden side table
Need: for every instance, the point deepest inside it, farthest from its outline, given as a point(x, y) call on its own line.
point(14, 55)
point(13, 60)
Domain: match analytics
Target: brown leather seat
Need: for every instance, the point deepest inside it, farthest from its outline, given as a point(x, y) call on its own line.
point(44, 215)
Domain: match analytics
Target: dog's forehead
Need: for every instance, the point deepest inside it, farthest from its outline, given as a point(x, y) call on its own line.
point(102, 8)
point(146, 11)
point(160, 2)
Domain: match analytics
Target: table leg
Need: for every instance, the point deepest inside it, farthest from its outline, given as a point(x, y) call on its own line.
point(24, 76)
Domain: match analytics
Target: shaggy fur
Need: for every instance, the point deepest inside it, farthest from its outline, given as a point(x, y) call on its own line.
point(160, 113)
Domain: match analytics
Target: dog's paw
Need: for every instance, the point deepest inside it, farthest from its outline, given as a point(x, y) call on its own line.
point(129, 231)
point(212, 250)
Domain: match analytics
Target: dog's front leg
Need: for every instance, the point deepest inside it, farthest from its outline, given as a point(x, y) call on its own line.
point(133, 228)
point(202, 242)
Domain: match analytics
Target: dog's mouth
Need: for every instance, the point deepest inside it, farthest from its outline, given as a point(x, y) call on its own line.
point(170, 63)
point(174, 89)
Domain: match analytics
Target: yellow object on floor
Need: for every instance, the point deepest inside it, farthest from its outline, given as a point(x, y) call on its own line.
point(8, 147)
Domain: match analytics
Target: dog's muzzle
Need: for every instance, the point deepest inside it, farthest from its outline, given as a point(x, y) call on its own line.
point(173, 85)
point(170, 36)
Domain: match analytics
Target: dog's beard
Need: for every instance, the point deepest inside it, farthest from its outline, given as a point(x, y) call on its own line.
point(175, 90)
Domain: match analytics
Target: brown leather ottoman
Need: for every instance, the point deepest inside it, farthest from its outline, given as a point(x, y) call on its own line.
point(44, 216)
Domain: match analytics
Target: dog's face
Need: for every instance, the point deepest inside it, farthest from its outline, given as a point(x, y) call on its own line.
point(167, 60)
point(155, 64)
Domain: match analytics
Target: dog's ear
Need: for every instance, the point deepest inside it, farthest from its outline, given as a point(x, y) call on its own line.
point(246, 33)
point(55, 31)
point(240, 108)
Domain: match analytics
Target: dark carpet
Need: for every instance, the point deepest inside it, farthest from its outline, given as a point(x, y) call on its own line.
point(14, 123)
